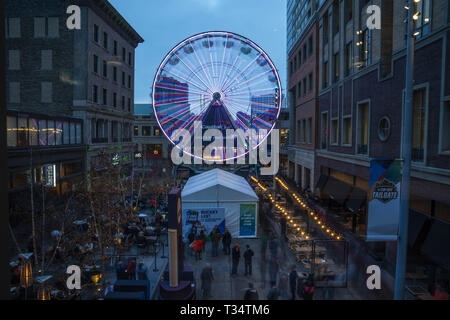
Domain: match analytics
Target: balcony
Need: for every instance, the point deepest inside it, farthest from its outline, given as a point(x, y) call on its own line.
point(99, 140)
point(362, 149)
point(417, 155)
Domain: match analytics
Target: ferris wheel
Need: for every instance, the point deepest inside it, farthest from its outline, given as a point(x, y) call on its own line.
point(223, 80)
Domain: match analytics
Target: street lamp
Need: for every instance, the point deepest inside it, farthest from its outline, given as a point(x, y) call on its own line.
point(402, 243)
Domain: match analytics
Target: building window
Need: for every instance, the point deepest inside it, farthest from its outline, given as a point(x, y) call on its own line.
point(123, 102)
point(129, 58)
point(46, 59)
point(123, 54)
point(95, 63)
point(115, 100)
point(136, 131)
point(96, 33)
point(295, 63)
point(303, 138)
point(105, 69)
point(348, 10)
point(363, 129)
point(324, 131)
point(14, 92)
point(105, 40)
point(304, 86)
point(310, 46)
point(115, 74)
point(336, 67)
point(305, 54)
point(336, 16)
point(129, 105)
point(334, 137)
point(309, 131)
point(123, 78)
point(419, 117)
point(156, 131)
point(46, 92)
point(291, 68)
point(325, 29)
point(146, 131)
point(325, 74)
point(310, 82)
point(46, 27)
point(364, 48)
point(347, 131)
point(445, 131)
point(95, 93)
point(384, 129)
point(115, 48)
point(299, 89)
point(14, 59)
point(105, 96)
point(423, 21)
point(12, 28)
point(129, 82)
point(348, 59)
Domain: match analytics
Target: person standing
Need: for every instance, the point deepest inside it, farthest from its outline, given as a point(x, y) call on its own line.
point(235, 256)
point(226, 241)
point(293, 277)
point(251, 293)
point(142, 272)
point(273, 270)
point(215, 238)
point(273, 292)
point(207, 278)
point(248, 254)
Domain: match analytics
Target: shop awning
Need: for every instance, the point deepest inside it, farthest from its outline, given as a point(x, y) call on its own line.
point(322, 180)
point(356, 200)
point(337, 190)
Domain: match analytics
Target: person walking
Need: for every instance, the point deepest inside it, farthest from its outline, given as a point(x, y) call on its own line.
point(197, 247)
point(293, 277)
point(142, 272)
point(226, 241)
point(131, 269)
point(251, 293)
point(235, 256)
point(273, 292)
point(215, 238)
point(248, 254)
point(273, 270)
point(207, 278)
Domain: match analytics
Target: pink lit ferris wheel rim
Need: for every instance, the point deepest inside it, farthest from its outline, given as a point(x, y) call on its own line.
point(206, 35)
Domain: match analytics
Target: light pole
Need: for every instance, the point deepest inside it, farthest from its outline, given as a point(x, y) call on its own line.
point(402, 243)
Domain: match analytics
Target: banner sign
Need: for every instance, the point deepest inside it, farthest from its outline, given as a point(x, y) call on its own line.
point(203, 219)
point(384, 200)
point(49, 179)
point(247, 220)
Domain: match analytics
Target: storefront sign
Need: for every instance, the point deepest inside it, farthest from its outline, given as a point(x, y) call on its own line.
point(49, 178)
point(247, 220)
point(384, 200)
point(203, 219)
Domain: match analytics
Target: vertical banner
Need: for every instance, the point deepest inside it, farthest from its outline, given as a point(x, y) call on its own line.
point(384, 200)
point(247, 220)
point(203, 219)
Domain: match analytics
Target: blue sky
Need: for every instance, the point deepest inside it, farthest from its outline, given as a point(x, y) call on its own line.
point(164, 23)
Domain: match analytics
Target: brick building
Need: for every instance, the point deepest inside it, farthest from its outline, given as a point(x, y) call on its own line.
point(360, 105)
point(86, 73)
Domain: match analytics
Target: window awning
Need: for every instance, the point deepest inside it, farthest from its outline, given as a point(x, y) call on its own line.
point(356, 200)
point(322, 181)
point(337, 190)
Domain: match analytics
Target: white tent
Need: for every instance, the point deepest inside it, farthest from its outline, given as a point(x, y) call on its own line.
point(221, 189)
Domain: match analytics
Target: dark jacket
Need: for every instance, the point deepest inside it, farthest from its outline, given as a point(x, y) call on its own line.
point(226, 238)
point(251, 294)
point(236, 254)
point(248, 254)
point(293, 279)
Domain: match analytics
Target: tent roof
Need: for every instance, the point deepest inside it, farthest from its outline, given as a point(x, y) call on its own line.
point(218, 179)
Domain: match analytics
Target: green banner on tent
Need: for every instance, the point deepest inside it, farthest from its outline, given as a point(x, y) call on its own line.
point(247, 220)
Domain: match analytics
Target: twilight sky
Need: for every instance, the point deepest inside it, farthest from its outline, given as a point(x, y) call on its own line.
point(165, 23)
